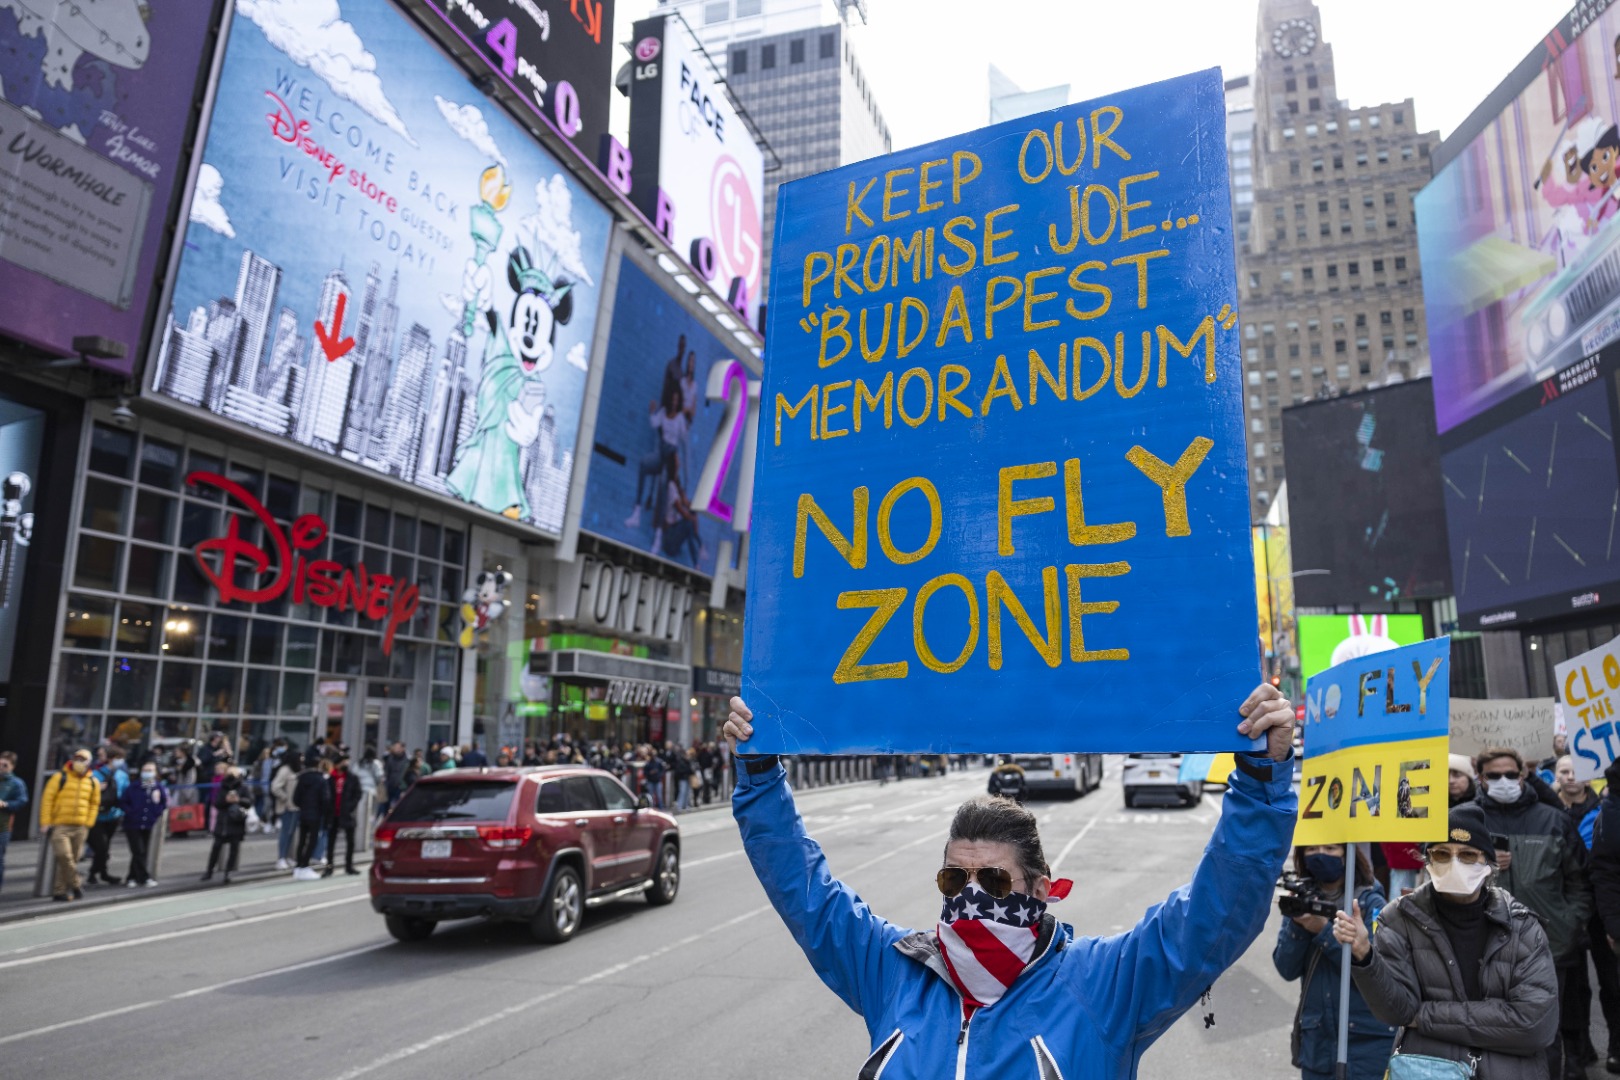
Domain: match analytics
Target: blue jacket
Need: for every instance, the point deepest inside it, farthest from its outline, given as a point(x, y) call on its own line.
point(141, 810)
point(1085, 1008)
point(1319, 1016)
point(120, 778)
point(14, 793)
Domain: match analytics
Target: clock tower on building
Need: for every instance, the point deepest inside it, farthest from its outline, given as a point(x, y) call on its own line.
point(1328, 276)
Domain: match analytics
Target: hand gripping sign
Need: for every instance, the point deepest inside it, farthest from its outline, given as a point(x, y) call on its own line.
point(1376, 748)
point(1002, 498)
point(1589, 690)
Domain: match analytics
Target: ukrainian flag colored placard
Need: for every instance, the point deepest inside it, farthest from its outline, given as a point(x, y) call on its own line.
point(1376, 745)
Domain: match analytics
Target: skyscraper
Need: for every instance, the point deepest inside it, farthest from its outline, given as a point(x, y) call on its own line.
point(1328, 278)
point(399, 432)
point(791, 66)
point(257, 281)
point(1009, 101)
point(320, 421)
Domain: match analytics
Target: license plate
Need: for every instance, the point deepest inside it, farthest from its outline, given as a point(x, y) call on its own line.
point(436, 849)
point(1057, 774)
point(1151, 776)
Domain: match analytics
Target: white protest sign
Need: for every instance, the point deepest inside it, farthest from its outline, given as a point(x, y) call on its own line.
point(1589, 687)
point(1525, 724)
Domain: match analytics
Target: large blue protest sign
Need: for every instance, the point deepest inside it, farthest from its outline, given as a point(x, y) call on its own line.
point(1002, 497)
point(1376, 740)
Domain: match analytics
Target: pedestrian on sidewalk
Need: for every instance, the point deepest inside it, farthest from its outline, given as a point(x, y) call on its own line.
point(281, 797)
point(369, 772)
point(230, 822)
point(68, 805)
point(344, 795)
point(114, 780)
point(1307, 950)
point(313, 800)
point(13, 802)
point(144, 804)
point(396, 766)
point(1461, 965)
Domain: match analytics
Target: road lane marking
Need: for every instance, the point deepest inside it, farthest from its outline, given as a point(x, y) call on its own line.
point(113, 909)
point(169, 935)
point(1090, 824)
point(396, 1056)
point(96, 1017)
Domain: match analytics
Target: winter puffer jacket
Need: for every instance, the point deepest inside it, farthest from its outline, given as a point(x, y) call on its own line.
point(1085, 1008)
point(1370, 1038)
point(1410, 978)
point(313, 797)
point(1548, 871)
point(70, 799)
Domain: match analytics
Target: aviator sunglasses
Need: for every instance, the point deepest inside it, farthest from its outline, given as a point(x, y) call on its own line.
point(1468, 856)
point(992, 879)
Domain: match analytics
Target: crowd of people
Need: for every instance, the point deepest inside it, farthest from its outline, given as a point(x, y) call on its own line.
point(310, 798)
point(1475, 950)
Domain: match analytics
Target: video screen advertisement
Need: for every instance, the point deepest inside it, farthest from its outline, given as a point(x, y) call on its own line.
point(416, 281)
point(95, 103)
point(557, 58)
point(669, 429)
point(1319, 635)
point(1364, 498)
point(1532, 501)
point(1518, 229)
point(697, 173)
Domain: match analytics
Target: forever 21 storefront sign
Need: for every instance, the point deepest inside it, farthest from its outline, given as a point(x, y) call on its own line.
point(631, 602)
point(321, 582)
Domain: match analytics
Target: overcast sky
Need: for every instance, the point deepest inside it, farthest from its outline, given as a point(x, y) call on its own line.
point(927, 60)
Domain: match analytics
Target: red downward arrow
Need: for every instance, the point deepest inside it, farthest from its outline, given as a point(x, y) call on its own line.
point(331, 344)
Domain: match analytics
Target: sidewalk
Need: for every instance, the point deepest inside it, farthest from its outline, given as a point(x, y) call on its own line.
point(183, 860)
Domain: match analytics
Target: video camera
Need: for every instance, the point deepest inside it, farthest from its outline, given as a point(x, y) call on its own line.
point(1303, 897)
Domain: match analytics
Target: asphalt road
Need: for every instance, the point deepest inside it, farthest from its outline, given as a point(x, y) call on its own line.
point(299, 979)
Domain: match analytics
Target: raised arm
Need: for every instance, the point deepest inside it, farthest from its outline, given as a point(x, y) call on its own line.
point(1143, 980)
point(844, 941)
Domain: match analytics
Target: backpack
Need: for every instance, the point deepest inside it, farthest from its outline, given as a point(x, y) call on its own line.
point(109, 791)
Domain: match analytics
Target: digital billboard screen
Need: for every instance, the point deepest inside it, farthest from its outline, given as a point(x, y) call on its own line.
point(1364, 498)
point(95, 101)
point(1518, 229)
point(670, 413)
point(557, 58)
point(382, 266)
point(695, 163)
point(1319, 635)
point(1531, 506)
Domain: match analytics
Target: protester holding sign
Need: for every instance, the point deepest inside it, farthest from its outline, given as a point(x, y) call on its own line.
point(1583, 806)
point(1541, 862)
point(1000, 987)
point(1463, 967)
point(1307, 950)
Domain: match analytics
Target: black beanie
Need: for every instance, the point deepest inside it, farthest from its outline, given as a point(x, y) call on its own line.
point(1466, 825)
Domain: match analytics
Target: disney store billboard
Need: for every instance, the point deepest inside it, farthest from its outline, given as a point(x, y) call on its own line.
point(415, 279)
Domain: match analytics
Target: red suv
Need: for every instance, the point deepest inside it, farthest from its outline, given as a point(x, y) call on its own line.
point(537, 845)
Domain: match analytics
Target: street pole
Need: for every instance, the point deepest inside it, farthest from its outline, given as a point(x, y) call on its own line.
point(1341, 1068)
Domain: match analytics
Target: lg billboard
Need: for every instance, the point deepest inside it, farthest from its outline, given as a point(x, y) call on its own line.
point(697, 173)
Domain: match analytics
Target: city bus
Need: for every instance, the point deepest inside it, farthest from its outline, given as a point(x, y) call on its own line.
point(1064, 774)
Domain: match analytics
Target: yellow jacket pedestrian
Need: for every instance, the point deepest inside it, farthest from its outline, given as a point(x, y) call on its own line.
point(70, 799)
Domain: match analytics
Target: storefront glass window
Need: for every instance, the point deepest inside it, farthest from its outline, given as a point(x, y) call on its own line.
point(147, 646)
point(103, 508)
point(97, 566)
point(111, 450)
point(87, 623)
point(160, 464)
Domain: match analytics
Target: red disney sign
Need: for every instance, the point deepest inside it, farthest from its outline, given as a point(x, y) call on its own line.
point(322, 582)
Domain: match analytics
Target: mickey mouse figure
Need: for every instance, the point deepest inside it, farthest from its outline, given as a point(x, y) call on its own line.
point(511, 394)
point(483, 602)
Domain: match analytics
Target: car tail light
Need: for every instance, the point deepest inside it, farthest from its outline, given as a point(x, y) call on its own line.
point(1068, 759)
point(505, 836)
point(385, 837)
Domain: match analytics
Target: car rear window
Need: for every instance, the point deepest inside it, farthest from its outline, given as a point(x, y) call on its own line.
point(464, 801)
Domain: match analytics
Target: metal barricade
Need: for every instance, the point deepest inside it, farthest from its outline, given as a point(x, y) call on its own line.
point(44, 864)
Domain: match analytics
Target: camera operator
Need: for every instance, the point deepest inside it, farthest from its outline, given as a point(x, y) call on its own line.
point(1306, 949)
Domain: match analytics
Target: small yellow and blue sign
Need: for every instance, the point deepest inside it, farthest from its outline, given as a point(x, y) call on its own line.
point(1376, 743)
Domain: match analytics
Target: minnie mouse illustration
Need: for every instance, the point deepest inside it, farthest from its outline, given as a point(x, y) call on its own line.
point(511, 395)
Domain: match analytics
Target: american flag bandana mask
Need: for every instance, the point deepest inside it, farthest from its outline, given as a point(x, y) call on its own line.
point(986, 942)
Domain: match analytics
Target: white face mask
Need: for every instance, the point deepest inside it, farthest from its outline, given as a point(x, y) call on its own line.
point(1456, 879)
point(1504, 790)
